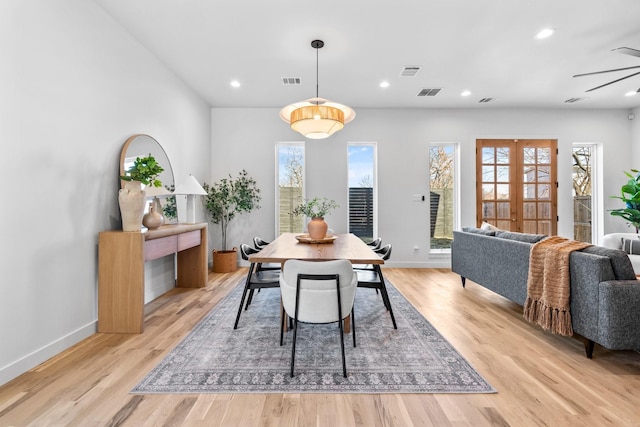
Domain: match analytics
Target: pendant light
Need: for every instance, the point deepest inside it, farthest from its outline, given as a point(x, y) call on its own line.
point(317, 118)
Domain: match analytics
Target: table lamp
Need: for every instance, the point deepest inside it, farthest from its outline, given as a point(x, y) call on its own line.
point(190, 188)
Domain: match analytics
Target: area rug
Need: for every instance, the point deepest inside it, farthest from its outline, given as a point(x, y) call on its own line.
point(215, 358)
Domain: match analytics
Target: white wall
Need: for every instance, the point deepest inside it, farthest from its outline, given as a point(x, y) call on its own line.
point(635, 136)
point(403, 137)
point(74, 87)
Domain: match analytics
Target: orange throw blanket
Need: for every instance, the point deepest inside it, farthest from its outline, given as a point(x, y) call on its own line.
point(549, 284)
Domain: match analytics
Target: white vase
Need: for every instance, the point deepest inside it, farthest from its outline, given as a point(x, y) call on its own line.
point(131, 199)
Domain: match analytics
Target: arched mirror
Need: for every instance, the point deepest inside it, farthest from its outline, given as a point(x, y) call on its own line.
point(141, 145)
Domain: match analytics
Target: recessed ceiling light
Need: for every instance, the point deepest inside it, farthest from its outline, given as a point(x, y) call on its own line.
point(384, 84)
point(466, 93)
point(633, 92)
point(235, 83)
point(544, 33)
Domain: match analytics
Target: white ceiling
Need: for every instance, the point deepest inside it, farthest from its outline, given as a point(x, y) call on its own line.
point(485, 46)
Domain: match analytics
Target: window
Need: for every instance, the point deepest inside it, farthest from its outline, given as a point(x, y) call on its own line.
point(290, 182)
point(442, 195)
point(362, 189)
point(583, 157)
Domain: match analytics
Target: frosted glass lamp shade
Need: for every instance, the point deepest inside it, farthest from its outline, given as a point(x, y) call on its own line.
point(190, 186)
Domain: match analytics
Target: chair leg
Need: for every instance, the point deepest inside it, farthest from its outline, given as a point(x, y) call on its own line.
point(295, 326)
point(244, 295)
point(293, 347)
point(385, 296)
point(282, 320)
point(353, 325)
point(344, 362)
point(249, 299)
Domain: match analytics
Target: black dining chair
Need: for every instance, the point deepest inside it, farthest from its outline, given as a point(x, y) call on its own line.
point(375, 243)
point(257, 278)
point(372, 278)
point(259, 243)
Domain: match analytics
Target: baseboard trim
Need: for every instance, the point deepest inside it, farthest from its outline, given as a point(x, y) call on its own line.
point(31, 360)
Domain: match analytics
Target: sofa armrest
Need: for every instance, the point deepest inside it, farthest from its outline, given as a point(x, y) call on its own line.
point(619, 314)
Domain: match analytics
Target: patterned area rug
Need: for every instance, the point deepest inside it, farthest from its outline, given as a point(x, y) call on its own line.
point(215, 358)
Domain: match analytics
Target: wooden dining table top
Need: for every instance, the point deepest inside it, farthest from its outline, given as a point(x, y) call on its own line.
point(345, 246)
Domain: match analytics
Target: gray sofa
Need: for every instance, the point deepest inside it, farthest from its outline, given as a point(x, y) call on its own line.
point(605, 295)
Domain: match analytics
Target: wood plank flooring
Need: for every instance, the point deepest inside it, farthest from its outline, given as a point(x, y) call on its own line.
point(542, 379)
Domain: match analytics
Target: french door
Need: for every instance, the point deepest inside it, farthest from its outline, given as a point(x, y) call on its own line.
point(517, 185)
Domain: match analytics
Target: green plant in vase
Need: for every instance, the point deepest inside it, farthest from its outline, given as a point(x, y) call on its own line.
point(230, 197)
point(316, 209)
point(225, 200)
point(630, 195)
point(131, 198)
point(145, 170)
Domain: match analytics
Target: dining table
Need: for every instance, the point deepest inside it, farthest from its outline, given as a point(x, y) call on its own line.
point(293, 246)
point(339, 246)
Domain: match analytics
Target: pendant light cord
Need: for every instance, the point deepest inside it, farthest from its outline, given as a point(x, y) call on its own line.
point(317, 83)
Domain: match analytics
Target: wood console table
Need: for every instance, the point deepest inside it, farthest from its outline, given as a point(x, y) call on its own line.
point(121, 258)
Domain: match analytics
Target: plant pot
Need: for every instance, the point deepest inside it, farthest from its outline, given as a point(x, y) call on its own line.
point(225, 261)
point(131, 199)
point(317, 228)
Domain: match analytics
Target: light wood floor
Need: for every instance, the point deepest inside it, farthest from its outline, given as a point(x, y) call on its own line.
point(541, 379)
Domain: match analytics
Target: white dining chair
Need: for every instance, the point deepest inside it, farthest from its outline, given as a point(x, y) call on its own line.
point(318, 292)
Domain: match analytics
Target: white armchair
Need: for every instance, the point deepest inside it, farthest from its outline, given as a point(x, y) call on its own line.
point(614, 241)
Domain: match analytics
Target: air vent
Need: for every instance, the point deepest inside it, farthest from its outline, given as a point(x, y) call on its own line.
point(572, 100)
point(291, 81)
point(410, 71)
point(429, 92)
point(485, 100)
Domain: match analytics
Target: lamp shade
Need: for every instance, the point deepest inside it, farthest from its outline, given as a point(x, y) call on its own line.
point(317, 118)
point(190, 186)
point(157, 192)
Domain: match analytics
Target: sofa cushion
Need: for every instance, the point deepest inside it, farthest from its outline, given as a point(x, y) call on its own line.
point(487, 226)
point(520, 237)
point(622, 268)
point(479, 231)
point(631, 246)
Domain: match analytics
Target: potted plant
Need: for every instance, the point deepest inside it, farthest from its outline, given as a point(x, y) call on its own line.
point(630, 195)
point(225, 199)
point(144, 170)
point(316, 209)
point(131, 198)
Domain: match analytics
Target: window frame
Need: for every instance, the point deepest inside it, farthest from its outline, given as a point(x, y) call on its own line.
point(278, 146)
point(455, 195)
point(374, 146)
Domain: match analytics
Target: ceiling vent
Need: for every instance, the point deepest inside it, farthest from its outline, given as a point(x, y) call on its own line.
point(291, 81)
point(410, 71)
point(486, 100)
point(429, 92)
point(572, 100)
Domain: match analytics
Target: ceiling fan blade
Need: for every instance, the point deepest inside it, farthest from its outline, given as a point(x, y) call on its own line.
point(607, 71)
point(612, 82)
point(628, 51)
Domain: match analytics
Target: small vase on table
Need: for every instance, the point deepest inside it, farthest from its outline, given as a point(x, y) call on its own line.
point(317, 228)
